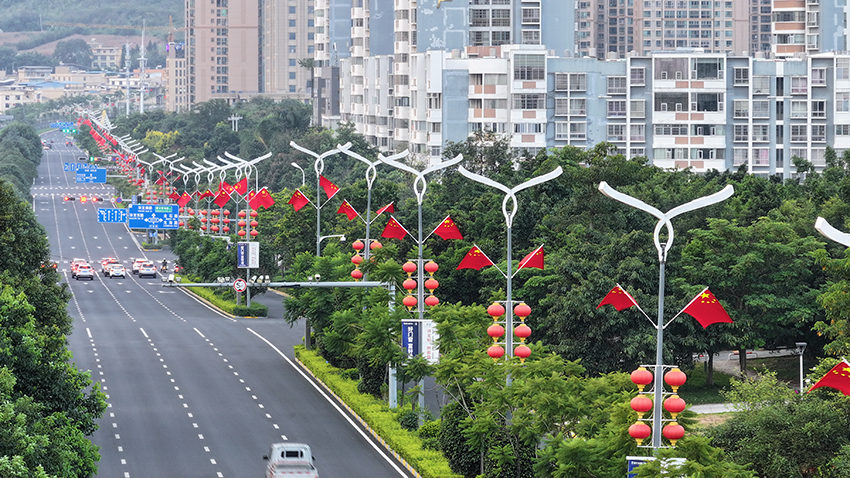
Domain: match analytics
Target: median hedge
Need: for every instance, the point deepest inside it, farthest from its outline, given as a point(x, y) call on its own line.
point(379, 417)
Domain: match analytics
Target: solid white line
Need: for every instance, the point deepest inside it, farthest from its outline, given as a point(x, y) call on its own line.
point(199, 332)
point(144, 333)
point(332, 402)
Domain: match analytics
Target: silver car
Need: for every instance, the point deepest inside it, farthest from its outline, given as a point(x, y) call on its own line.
point(84, 272)
point(116, 270)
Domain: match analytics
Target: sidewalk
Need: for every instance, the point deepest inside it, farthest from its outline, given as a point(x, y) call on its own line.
point(712, 408)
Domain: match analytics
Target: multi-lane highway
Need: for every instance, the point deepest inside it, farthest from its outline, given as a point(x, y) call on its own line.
point(191, 393)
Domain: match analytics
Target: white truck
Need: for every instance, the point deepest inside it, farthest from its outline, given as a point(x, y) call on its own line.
point(290, 460)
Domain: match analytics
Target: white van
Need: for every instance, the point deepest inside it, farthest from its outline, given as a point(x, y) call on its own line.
point(288, 460)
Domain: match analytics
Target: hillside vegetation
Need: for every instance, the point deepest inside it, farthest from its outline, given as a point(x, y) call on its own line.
point(31, 15)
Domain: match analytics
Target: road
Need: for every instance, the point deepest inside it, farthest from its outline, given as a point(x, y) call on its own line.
point(191, 392)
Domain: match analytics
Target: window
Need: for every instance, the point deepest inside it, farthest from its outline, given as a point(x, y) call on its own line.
point(799, 109)
point(761, 109)
point(761, 133)
point(842, 68)
point(578, 131)
point(742, 76)
point(638, 76)
point(578, 82)
point(799, 85)
point(529, 101)
point(528, 127)
point(818, 76)
point(670, 130)
point(616, 132)
point(561, 106)
point(761, 85)
point(578, 106)
point(742, 132)
point(799, 132)
point(530, 16)
point(529, 67)
point(531, 37)
point(818, 109)
point(741, 108)
point(562, 130)
point(501, 18)
point(637, 132)
point(637, 108)
point(616, 85)
point(819, 133)
point(479, 18)
point(616, 108)
point(740, 156)
point(842, 130)
point(561, 82)
point(842, 101)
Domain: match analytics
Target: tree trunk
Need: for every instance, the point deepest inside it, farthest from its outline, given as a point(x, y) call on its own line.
point(709, 376)
point(742, 361)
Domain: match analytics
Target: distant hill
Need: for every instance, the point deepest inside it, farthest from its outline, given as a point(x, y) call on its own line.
point(32, 16)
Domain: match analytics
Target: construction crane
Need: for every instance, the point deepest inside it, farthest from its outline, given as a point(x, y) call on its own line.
point(110, 27)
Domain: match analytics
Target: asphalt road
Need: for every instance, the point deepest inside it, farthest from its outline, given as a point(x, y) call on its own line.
point(191, 393)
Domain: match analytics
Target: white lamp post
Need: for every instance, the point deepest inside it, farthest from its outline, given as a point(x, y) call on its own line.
point(801, 347)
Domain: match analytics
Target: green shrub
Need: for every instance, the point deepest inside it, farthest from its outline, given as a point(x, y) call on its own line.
point(256, 310)
point(409, 420)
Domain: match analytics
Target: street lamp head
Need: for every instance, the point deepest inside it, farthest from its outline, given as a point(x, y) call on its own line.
point(801, 347)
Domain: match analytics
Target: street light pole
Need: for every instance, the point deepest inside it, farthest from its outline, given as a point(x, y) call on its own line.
point(303, 176)
point(664, 221)
point(801, 347)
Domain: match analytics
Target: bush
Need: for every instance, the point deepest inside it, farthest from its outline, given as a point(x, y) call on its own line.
point(429, 432)
point(256, 310)
point(409, 420)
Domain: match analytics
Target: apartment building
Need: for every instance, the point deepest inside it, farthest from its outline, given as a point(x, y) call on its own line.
point(177, 78)
point(105, 57)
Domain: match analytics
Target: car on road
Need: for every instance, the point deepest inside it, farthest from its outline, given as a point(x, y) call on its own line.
point(139, 262)
point(106, 262)
point(147, 270)
point(75, 263)
point(287, 460)
point(84, 271)
point(116, 270)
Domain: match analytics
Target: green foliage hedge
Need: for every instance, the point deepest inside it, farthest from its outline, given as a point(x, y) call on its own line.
point(428, 463)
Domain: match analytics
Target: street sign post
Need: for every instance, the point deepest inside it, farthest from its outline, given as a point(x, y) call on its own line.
point(105, 214)
point(239, 285)
point(153, 216)
point(97, 175)
point(248, 255)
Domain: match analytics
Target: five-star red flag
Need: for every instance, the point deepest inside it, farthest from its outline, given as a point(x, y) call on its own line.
point(448, 230)
point(221, 198)
point(184, 199)
point(346, 209)
point(533, 259)
point(206, 194)
point(298, 200)
point(706, 309)
point(223, 186)
point(837, 378)
point(394, 230)
point(474, 259)
point(388, 208)
point(160, 181)
point(619, 298)
point(330, 188)
point(174, 196)
point(241, 187)
point(263, 199)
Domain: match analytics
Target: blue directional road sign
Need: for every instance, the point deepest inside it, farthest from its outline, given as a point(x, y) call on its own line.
point(115, 214)
point(78, 166)
point(91, 176)
point(153, 216)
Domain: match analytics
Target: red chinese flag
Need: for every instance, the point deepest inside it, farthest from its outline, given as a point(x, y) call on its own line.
point(388, 208)
point(706, 309)
point(619, 298)
point(241, 187)
point(223, 186)
point(184, 199)
point(174, 196)
point(394, 230)
point(298, 200)
point(474, 259)
point(448, 229)
point(533, 259)
point(346, 209)
point(330, 188)
point(160, 181)
point(251, 195)
point(221, 198)
point(837, 378)
point(206, 194)
point(263, 198)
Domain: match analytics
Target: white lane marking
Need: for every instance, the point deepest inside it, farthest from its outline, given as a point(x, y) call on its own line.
point(332, 402)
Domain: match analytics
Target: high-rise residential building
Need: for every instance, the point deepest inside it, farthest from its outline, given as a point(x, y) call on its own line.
point(177, 79)
point(807, 26)
point(287, 40)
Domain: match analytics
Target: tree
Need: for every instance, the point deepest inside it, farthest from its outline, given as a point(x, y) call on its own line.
point(74, 52)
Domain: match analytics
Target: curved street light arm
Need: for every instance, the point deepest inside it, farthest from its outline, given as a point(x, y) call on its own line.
point(420, 186)
point(823, 227)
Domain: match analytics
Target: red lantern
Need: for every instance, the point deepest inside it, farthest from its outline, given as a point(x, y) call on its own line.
point(409, 284)
point(226, 229)
point(181, 223)
point(431, 284)
point(215, 220)
point(496, 310)
point(675, 378)
point(641, 377)
point(357, 259)
point(254, 213)
point(356, 274)
point(675, 405)
point(191, 212)
point(375, 245)
point(409, 301)
point(409, 267)
point(204, 220)
point(522, 331)
point(641, 404)
point(203, 228)
point(214, 229)
point(673, 432)
point(431, 267)
point(181, 210)
point(241, 214)
point(215, 212)
point(203, 212)
point(522, 310)
point(495, 331)
point(358, 245)
point(495, 352)
point(639, 431)
point(523, 352)
point(226, 212)
point(254, 233)
point(431, 301)
point(226, 220)
point(241, 223)
point(254, 223)
point(241, 233)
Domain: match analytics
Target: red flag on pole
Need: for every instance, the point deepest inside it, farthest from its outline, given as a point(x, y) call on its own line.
point(264, 199)
point(448, 229)
point(533, 259)
point(160, 181)
point(474, 259)
point(221, 198)
point(330, 188)
point(184, 199)
point(298, 200)
point(388, 208)
point(174, 196)
point(241, 187)
point(226, 187)
point(706, 309)
point(394, 230)
point(837, 378)
point(346, 209)
point(206, 194)
point(619, 298)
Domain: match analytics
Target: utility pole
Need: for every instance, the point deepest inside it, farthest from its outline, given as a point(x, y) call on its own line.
point(142, 61)
point(127, 64)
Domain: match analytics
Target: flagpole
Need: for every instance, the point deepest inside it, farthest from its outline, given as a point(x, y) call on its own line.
point(659, 354)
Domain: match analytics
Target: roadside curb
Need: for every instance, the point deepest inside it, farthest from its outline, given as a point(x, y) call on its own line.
point(362, 422)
